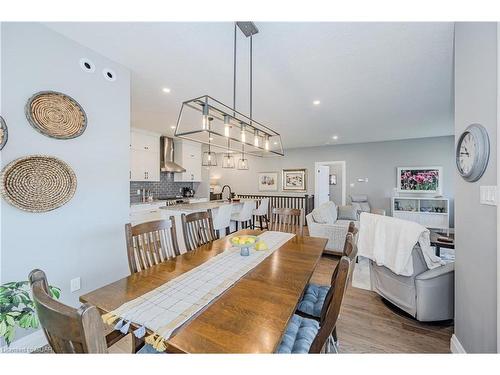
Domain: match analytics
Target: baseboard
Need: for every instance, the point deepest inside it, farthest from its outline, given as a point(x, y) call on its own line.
point(26, 344)
point(455, 345)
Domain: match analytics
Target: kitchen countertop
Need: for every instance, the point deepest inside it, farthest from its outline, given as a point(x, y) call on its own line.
point(203, 206)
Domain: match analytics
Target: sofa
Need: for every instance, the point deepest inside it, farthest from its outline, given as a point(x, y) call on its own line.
point(427, 295)
point(332, 222)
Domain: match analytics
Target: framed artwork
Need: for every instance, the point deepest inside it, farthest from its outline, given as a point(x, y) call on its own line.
point(419, 180)
point(268, 181)
point(333, 179)
point(294, 179)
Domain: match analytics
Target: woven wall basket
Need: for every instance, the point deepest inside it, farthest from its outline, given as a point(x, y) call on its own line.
point(56, 115)
point(37, 183)
point(4, 133)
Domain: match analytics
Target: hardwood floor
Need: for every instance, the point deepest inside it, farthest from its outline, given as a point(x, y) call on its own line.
point(368, 325)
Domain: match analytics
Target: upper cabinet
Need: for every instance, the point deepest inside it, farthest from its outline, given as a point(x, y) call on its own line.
point(188, 155)
point(144, 156)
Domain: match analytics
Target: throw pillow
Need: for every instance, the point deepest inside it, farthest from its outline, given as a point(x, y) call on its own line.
point(325, 213)
point(347, 213)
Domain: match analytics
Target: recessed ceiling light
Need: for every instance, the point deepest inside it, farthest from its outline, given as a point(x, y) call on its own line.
point(165, 90)
point(335, 137)
point(172, 127)
point(316, 102)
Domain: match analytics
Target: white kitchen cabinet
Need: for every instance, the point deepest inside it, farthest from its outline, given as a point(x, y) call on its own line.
point(144, 156)
point(188, 155)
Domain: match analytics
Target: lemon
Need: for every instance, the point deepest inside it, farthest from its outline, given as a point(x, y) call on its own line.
point(261, 245)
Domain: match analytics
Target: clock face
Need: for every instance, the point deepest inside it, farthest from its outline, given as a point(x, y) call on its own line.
point(472, 153)
point(467, 153)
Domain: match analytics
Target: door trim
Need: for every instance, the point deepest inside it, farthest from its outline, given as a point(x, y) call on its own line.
point(342, 163)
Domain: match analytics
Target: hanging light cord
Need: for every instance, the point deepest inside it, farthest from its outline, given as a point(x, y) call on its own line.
point(234, 71)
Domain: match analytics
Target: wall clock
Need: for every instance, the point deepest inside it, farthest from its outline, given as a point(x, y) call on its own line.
point(473, 152)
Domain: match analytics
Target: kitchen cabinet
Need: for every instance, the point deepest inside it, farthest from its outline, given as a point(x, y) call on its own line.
point(144, 156)
point(188, 155)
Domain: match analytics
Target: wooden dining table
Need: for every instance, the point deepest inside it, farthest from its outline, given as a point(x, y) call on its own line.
point(249, 317)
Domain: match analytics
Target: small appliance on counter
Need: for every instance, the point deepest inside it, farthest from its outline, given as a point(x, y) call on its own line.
point(187, 192)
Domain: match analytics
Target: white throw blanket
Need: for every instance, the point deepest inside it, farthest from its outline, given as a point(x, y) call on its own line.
point(389, 242)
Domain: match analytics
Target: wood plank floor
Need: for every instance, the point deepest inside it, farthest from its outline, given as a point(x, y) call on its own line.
point(367, 325)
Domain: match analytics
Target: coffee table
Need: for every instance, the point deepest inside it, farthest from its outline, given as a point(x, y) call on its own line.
point(439, 244)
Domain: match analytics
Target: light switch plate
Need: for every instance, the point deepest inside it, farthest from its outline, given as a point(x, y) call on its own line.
point(488, 195)
point(75, 284)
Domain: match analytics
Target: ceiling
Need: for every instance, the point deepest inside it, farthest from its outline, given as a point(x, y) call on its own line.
point(375, 81)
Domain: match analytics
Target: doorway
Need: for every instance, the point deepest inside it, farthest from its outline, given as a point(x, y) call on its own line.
point(329, 182)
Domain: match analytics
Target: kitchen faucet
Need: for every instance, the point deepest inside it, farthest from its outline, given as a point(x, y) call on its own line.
point(222, 192)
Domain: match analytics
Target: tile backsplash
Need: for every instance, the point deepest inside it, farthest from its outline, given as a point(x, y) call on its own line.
point(165, 187)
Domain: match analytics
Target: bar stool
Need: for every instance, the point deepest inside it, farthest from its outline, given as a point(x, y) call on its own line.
point(222, 219)
point(261, 213)
point(244, 216)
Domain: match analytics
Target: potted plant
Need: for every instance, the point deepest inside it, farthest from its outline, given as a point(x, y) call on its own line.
point(17, 308)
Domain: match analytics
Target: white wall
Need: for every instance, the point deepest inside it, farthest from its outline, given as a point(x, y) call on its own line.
point(378, 161)
point(85, 237)
point(476, 92)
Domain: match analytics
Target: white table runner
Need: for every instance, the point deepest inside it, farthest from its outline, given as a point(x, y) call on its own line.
point(167, 307)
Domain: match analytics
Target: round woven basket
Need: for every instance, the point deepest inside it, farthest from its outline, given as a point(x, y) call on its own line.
point(56, 115)
point(4, 133)
point(37, 183)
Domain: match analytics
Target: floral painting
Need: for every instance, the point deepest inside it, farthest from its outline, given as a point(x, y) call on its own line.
point(268, 181)
point(419, 180)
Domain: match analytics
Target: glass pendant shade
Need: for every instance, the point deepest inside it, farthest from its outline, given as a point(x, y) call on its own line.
point(243, 163)
point(204, 118)
point(209, 159)
point(256, 139)
point(227, 160)
point(227, 125)
point(266, 143)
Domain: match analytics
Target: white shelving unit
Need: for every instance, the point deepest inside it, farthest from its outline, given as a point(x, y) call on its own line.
point(430, 212)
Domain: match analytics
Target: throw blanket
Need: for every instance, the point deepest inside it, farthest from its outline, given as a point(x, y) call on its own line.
point(389, 242)
point(167, 307)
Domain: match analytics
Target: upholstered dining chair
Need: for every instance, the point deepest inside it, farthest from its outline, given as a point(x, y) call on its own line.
point(198, 229)
point(244, 216)
point(70, 330)
point(304, 335)
point(289, 220)
point(261, 213)
point(151, 243)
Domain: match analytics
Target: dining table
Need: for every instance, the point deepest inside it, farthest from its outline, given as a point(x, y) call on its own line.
point(249, 317)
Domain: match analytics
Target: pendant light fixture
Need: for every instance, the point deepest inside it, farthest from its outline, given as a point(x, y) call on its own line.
point(228, 124)
point(209, 158)
point(228, 158)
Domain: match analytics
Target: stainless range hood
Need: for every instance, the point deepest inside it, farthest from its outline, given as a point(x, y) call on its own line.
point(167, 163)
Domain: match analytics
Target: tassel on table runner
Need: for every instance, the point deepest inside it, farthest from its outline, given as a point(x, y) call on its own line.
point(119, 325)
point(140, 332)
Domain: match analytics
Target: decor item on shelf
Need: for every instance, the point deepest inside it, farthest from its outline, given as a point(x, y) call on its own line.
point(294, 179)
point(4, 133)
point(37, 183)
point(209, 158)
point(247, 135)
point(268, 181)
point(56, 115)
point(419, 180)
point(18, 309)
point(473, 152)
point(333, 179)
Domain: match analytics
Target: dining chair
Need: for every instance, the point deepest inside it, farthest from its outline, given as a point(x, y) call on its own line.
point(222, 219)
point(67, 329)
point(261, 213)
point(244, 216)
point(198, 229)
point(151, 243)
point(304, 335)
point(289, 220)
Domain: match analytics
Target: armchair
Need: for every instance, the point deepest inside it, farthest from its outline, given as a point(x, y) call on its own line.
point(360, 204)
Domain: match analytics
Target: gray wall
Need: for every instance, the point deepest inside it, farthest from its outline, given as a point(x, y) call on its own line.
point(85, 237)
point(476, 93)
point(377, 161)
point(336, 190)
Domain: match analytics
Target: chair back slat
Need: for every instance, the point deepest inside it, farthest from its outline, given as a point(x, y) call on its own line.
point(331, 310)
point(198, 229)
point(151, 243)
point(68, 330)
point(289, 220)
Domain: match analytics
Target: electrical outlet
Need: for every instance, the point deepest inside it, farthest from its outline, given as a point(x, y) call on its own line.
point(138, 192)
point(488, 195)
point(75, 284)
